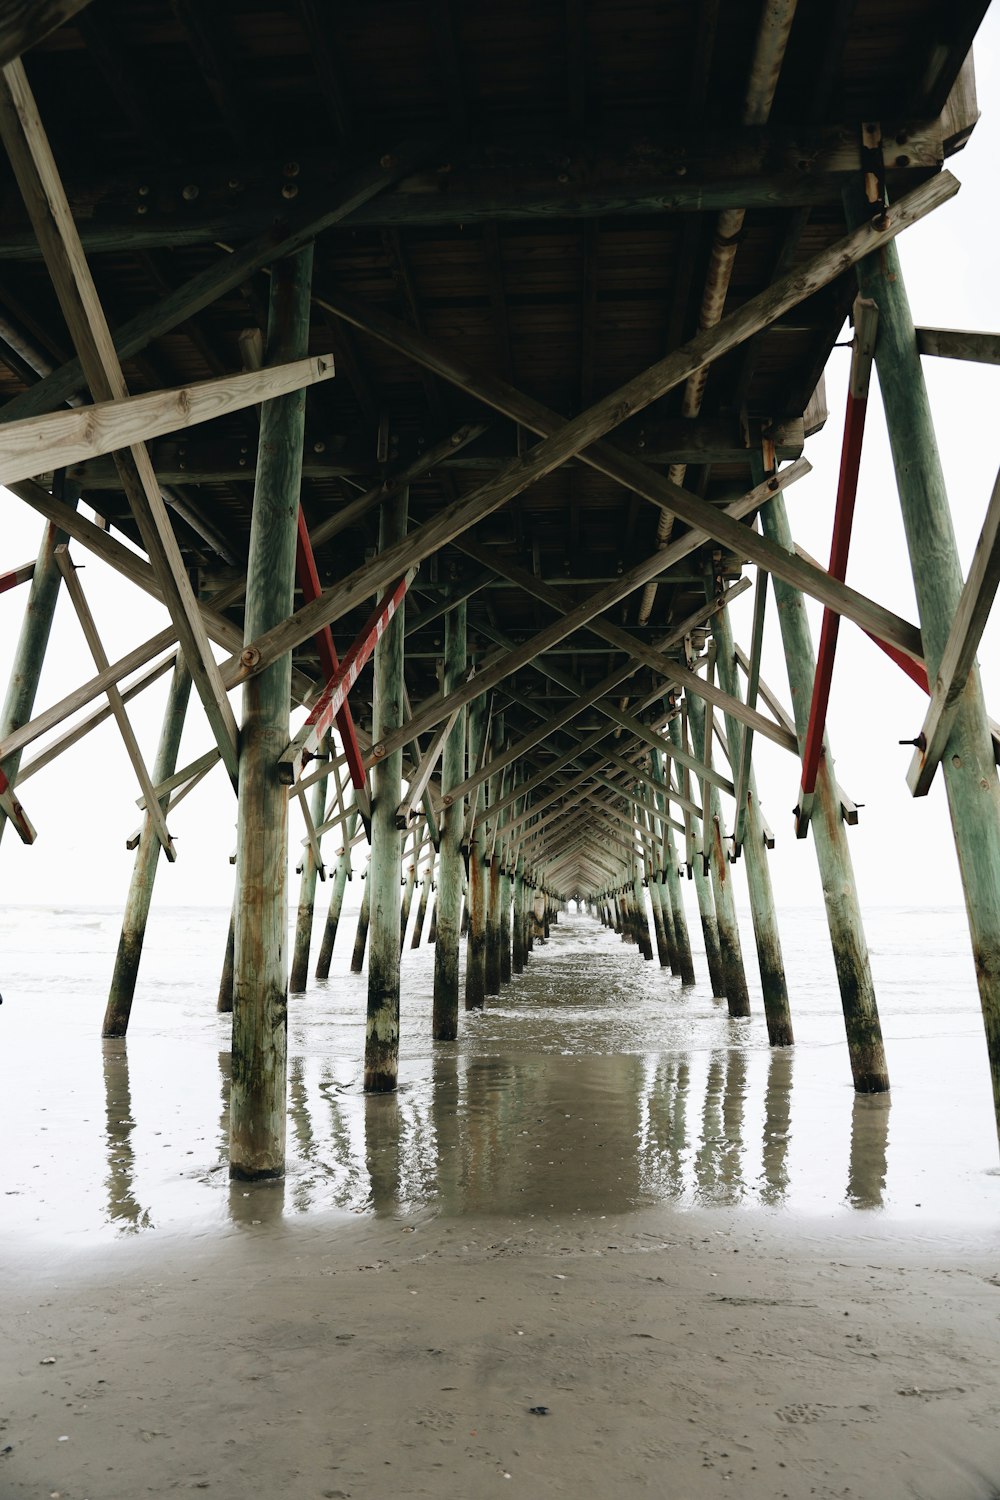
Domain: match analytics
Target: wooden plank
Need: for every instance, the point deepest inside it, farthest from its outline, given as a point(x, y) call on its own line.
point(968, 624)
point(38, 178)
point(957, 343)
point(58, 439)
point(14, 576)
point(24, 23)
point(89, 627)
point(424, 771)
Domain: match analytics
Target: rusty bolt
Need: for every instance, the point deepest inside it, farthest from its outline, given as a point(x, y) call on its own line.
point(378, 751)
point(902, 161)
point(250, 657)
point(144, 190)
point(290, 190)
point(291, 169)
point(189, 192)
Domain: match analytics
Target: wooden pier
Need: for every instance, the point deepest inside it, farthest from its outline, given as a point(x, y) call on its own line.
point(442, 369)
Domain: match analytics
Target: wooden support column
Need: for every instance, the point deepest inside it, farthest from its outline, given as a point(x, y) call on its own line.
point(432, 928)
point(341, 876)
point(506, 958)
point(519, 954)
point(703, 889)
point(475, 953)
point(260, 975)
point(382, 1031)
point(448, 903)
point(307, 896)
point(425, 891)
point(733, 974)
point(224, 1003)
point(361, 935)
point(408, 887)
point(492, 872)
point(969, 770)
point(762, 909)
point(843, 913)
point(673, 900)
point(32, 642)
point(140, 891)
point(664, 947)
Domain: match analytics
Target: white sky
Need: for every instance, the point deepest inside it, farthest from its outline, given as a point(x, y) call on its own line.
point(83, 804)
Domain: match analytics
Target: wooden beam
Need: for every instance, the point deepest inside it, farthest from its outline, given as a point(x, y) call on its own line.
point(38, 178)
point(375, 172)
point(778, 166)
point(742, 771)
point(89, 627)
point(25, 23)
point(956, 343)
point(15, 576)
point(54, 441)
point(968, 624)
point(15, 812)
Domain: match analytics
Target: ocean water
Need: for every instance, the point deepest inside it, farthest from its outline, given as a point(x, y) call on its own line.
point(594, 1084)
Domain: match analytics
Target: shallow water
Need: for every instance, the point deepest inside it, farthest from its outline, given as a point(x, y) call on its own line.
point(595, 1085)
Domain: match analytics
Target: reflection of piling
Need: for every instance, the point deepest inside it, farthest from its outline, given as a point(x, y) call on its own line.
point(124, 1209)
point(382, 1145)
point(147, 857)
point(340, 879)
point(777, 1123)
point(869, 1151)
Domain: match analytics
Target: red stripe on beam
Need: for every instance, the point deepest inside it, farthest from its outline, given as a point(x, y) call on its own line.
point(308, 579)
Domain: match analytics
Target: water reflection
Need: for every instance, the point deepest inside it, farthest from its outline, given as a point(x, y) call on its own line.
point(523, 1133)
point(124, 1209)
point(869, 1151)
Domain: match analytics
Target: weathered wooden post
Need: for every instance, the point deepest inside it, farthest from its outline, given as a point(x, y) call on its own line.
point(43, 592)
point(382, 1031)
point(703, 892)
point(673, 900)
point(140, 891)
point(970, 776)
point(643, 938)
point(425, 890)
point(260, 984)
point(475, 952)
point(448, 902)
point(307, 899)
point(364, 917)
point(765, 919)
point(519, 949)
point(341, 876)
point(843, 913)
point(224, 1003)
point(432, 929)
point(734, 975)
point(408, 888)
point(492, 872)
point(506, 959)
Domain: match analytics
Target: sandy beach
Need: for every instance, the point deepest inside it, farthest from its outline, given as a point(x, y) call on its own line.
point(654, 1353)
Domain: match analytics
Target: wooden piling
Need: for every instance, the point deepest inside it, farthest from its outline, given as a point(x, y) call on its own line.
point(843, 913)
point(425, 890)
point(361, 934)
point(733, 973)
point(475, 952)
point(774, 987)
point(36, 626)
point(492, 870)
point(519, 936)
point(340, 878)
point(968, 763)
point(703, 892)
point(140, 891)
point(224, 1002)
point(382, 1031)
point(408, 888)
point(307, 899)
point(260, 982)
point(448, 903)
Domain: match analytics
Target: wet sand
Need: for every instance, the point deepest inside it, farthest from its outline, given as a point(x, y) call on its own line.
point(675, 1354)
point(714, 1268)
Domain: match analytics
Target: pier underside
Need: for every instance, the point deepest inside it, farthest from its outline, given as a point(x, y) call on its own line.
point(444, 368)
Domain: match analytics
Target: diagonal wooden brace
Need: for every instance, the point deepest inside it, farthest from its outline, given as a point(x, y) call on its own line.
point(306, 743)
point(307, 575)
point(15, 812)
point(865, 334)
